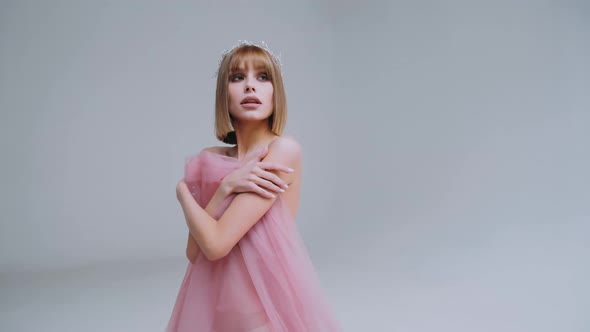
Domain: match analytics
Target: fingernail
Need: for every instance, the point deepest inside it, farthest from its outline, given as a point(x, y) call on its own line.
point(282, 190)
point(291, 170)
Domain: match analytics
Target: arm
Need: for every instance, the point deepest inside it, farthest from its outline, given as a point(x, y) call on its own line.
point(217, 237)
point(254, 176)
point(192, 248)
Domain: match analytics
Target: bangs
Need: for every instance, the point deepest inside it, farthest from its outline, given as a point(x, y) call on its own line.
point(251, 57)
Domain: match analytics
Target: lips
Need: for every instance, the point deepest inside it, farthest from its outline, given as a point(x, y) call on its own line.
point(250, 100)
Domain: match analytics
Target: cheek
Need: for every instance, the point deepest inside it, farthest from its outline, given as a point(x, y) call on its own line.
point(232, 101)
point(270, 93)
point(232, 93)
point(229, 93)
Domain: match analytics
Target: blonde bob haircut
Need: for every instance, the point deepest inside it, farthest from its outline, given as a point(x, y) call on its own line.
point(258, 58)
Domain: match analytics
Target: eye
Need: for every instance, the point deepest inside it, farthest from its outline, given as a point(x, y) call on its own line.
point(263, 76)
point(236, 77)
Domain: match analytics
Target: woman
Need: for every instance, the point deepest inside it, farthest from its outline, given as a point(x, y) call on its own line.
point(249, 268)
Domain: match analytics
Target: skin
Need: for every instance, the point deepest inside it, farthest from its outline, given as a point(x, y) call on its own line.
point(254, 177)
point(216, 238)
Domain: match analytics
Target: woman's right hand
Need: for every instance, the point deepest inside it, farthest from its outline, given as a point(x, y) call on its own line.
point(255, 176)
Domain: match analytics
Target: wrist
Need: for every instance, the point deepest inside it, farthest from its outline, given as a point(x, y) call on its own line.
point(224, 189)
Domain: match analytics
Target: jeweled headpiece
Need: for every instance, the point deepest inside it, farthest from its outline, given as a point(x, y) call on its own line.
point(276, 59)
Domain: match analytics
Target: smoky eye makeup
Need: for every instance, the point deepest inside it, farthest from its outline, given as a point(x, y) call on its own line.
point(235, 77)
point(239, 75)
point(264, 76)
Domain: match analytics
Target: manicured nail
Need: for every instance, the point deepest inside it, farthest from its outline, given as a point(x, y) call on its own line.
point(282, 190)
point(291, 170)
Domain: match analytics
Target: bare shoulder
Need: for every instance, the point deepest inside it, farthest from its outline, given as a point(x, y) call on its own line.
point(286, 151)
point(286, 147)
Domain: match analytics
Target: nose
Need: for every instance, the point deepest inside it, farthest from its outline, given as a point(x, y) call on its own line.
point(249, 86)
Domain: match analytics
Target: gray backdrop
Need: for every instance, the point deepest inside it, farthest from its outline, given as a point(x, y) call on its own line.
point(446, 146)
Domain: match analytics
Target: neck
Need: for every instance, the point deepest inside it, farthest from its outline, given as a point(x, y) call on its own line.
point(250, 136)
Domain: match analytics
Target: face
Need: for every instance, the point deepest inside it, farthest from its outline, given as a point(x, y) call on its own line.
point(250, 94)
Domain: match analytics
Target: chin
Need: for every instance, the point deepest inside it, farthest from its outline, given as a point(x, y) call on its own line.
point(252, 115)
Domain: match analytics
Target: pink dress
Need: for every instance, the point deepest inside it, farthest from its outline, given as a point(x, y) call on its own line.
point(266, 283)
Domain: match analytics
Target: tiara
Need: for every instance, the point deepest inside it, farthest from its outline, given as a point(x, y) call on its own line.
point(276, 59)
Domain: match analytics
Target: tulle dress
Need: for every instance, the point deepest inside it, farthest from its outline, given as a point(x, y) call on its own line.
point(266, 283)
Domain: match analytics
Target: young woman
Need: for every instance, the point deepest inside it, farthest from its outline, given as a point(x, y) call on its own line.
point(249, 269)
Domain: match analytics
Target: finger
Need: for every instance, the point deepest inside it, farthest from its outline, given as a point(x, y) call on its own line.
point(275, 167)
point(265, 193)
point(258, 190)
point(269, 185)
point(272, 178)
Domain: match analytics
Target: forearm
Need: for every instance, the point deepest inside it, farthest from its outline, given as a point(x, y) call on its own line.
point(202, 226)
point(220, 195)
point(192, 248)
